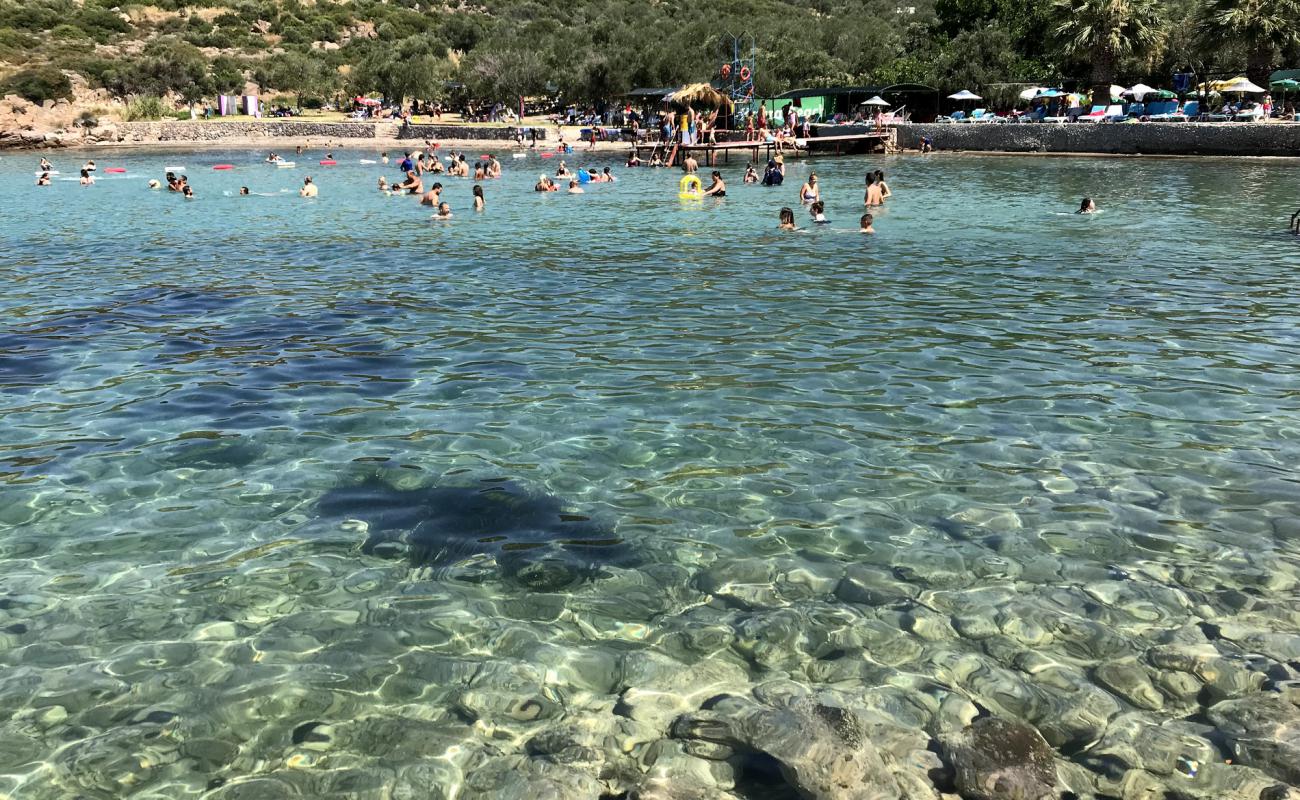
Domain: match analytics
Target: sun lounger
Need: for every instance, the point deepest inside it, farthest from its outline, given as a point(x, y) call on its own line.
point(1114, 113)
point(1097, 114)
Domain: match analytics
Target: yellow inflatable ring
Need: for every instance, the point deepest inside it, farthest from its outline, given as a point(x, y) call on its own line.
point(690, 188)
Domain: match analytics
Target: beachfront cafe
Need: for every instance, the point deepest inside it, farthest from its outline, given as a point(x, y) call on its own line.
point(849, 103)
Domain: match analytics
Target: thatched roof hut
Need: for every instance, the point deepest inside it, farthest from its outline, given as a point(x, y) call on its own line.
point(698, 94)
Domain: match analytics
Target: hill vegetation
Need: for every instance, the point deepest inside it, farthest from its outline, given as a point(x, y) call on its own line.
point(588, 51)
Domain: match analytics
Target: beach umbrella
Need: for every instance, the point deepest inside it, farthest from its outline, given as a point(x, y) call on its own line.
point(697, 94)
point(965, 94)
point(1116, 91)
point(876, 101)
point(1286, 85)
point(1139, 91)
point(1244, 86)
point(1032, 92)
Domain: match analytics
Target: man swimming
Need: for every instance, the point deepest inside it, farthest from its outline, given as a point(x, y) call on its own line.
point(574, 188)
point(433, 197)
point(444, 211)
point(243, 191)
point(308, 188)
point(874, 196)
point(44, 179)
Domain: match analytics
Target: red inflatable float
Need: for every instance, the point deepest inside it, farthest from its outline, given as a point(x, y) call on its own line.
point(115, 170)
point(328, 162)
point(224, 166)
point(548, 155)
point(485, 156)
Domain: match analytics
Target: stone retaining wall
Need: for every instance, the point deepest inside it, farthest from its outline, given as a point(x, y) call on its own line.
point(1149, 138)
point(200, 131)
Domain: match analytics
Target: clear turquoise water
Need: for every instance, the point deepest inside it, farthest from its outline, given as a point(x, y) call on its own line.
point(1050, 422)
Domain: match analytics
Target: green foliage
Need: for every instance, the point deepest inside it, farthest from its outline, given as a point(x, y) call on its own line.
point(596, 50)
point(146, 108)
point(38, 84)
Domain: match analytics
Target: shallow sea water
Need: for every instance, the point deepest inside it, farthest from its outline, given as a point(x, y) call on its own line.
point(324, 499)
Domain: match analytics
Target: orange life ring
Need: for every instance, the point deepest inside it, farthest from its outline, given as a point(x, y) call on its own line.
point(726, 70)
point(744, 73)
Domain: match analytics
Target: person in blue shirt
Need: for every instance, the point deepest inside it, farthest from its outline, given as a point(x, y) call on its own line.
point(772, 175)
point(406, 165)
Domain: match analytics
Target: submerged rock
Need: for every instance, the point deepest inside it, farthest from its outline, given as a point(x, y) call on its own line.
point(533, 540)
point(1264, 730)
point(999, 759)
point(822, 751)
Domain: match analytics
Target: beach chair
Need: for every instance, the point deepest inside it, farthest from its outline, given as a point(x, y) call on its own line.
point(1114, 113)
point(1097, 114)
point(1162, 111)
point(1255, 114)
point(956, 116)
point(1137, 109)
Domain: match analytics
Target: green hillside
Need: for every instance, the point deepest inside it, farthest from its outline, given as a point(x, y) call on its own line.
point(591, 50)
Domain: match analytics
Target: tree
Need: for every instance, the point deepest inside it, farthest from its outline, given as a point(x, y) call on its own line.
point(1104, 33)
point(1260, 29)
point(294, 72)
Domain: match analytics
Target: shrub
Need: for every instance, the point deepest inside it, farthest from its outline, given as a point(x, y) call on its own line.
point(144, 108)
point(68, 32)
point(38, 84)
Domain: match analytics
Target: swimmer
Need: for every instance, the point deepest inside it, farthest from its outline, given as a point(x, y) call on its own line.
point(480, 174)
point(188, 192)
point(479, 202)
point(563, 171)
point(810, 192)
point(574, 188)
point(243, 191)
point(383, 157)
point(432, 197)
point(718, 188)
point(818, 212)
point(656, 161)
point(1086, 206)
point(154, 183)
point(383, 184)
point(308, 188)
point(172, 184)
point(412, 184)
point(885, 194)
point(787, 220)
point(634, 160)
point(751, 176)
point(864, 226)
point(607, 176)
point(493, 168)
point(86, 179)
point(444, 211)
point(46, 166)
point(89, 166)
point(690, 166)
point(874, 196)
point(272, 158)
point(44, 179)
point(773, 176)
point(298, 150)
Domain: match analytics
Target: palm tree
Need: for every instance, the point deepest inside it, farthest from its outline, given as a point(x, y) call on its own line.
point(1259, 28)
point(1105, 33)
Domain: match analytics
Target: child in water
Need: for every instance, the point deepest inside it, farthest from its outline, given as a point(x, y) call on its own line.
point(818, 212)
point(1086, 206)
point(86, 179)
point(44, 179)
point(787, 220)
point(750, 175)
point(865, 226)
point(479, 202)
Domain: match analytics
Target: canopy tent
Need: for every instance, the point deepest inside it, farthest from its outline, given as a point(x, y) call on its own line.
point(965, 94)
point(876, 101)
point(1242, 85)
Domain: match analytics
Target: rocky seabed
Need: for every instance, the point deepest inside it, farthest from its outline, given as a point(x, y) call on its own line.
point(975, 665)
